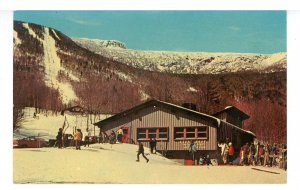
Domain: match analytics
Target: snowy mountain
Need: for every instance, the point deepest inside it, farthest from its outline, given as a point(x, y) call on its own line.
point(93, 44)
point(186, 62)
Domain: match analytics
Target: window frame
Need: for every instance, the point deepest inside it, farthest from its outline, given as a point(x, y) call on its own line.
point(196, 133)
point(157, 133)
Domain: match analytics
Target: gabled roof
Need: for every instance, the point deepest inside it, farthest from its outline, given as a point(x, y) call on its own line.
point(156, 103)
point(232, 109)
point(238, 128)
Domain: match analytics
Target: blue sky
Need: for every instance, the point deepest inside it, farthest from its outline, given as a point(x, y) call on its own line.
point(209, 31)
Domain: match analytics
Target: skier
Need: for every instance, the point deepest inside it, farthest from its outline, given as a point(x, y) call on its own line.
point(141, 151)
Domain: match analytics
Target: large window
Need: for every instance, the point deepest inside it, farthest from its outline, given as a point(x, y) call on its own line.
point(147, 133)
point(181, 133)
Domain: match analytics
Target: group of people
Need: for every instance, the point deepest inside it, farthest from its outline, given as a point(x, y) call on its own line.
point(227, 152)
point(255, 153)
point(202, 160)
point(77, 138)
point(114, 137)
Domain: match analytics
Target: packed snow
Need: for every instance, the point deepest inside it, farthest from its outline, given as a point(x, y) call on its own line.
point(187, 62)
point(116, 164)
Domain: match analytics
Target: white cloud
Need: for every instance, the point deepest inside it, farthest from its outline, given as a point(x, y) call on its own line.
point(84, 22)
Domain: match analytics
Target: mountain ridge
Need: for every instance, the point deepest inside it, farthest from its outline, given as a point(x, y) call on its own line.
point(190, 62)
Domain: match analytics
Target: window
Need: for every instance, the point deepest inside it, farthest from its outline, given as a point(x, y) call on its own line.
point(147, 133)
point(151, 133)
point(179, 133)
point(141, 133)
point(191, 132)
point(163, 133)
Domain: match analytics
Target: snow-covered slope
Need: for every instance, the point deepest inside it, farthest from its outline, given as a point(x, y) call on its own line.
point(51, 63)
point(188, 62)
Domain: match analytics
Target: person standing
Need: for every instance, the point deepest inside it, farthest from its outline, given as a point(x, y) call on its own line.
point(242, 155)
point(120, 135)
point(266, 156)
point(230, 153)
point(100, 137)
point(261, 153)
point(77, 138)
point(141, 151)
point(87, 135)
point(59, 138)
point(193, 151)
point(152, 145)
point(112, 137)
point(246, 154)
point(224, 151)
point(81, 135)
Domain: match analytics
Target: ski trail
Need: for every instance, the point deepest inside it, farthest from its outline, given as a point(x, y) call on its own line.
point(53, 67)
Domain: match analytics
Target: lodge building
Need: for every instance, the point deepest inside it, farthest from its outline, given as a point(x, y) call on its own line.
point(175, 126)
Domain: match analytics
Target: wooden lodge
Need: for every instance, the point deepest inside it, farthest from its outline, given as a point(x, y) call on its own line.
point(175, 126)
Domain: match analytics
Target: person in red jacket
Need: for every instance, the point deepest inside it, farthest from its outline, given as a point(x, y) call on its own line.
point(261, 153)
point(230, 153)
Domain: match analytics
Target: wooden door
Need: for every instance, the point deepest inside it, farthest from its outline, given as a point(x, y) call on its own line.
point(126, 135)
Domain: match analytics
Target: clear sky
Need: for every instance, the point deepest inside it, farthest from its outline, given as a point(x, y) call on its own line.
point(209, 31)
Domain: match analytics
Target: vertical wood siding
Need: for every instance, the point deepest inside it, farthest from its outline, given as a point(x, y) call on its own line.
point(161, 117)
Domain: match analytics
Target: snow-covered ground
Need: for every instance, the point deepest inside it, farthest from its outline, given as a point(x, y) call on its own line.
point(46, 126)
point(116, 164)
